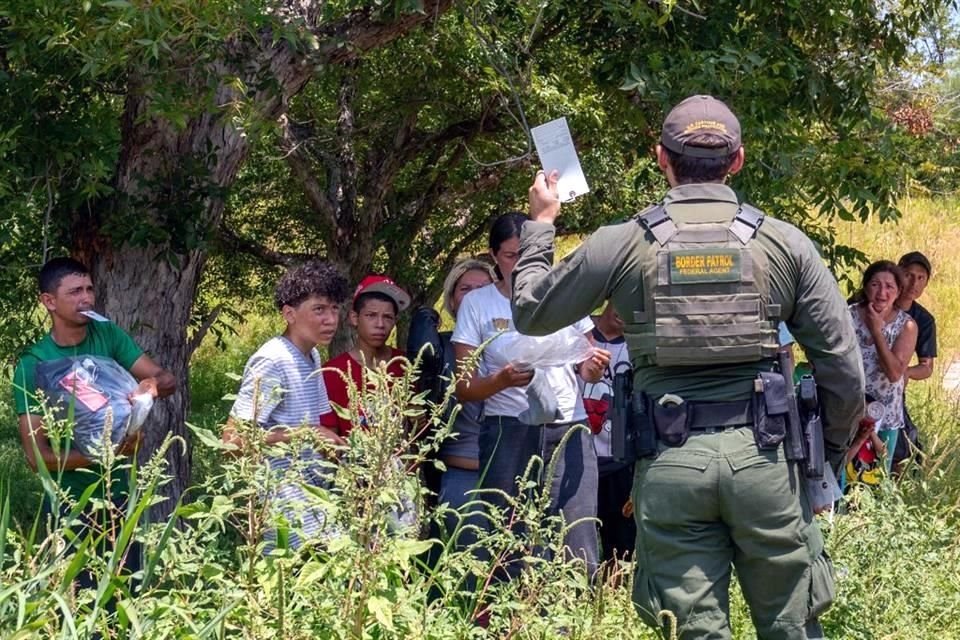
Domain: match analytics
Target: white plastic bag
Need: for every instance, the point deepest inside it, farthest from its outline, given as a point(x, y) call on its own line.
point(88, 388)
point(141, 405)
point(567, 346)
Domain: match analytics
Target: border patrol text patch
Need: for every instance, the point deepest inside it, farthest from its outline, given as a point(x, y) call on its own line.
point(691, 266)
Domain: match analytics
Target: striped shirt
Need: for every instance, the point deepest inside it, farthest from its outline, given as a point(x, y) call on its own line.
point(282, 386)
point(291, 391)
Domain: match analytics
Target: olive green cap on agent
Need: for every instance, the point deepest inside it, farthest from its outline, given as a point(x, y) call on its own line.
point(698, 115)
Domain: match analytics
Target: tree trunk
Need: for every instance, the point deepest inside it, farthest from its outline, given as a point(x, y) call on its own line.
point(153, 299)
point(353, 256)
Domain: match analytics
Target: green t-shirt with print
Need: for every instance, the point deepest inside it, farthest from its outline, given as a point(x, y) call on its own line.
point(103, 339)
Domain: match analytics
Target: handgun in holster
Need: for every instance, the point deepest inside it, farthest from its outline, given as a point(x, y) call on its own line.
point(632, 432)
point(809, 406)
point(804, 440)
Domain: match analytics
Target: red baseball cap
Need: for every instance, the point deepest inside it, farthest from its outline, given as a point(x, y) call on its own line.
point(374, 283)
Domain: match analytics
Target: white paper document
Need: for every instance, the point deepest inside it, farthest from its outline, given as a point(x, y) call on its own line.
point(93, 315)
point(556, 151)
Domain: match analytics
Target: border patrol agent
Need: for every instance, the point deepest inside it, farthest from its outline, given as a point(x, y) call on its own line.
point(702, 281)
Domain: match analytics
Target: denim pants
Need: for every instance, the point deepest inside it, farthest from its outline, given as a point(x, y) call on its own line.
point(506, 448)
point(458, 490)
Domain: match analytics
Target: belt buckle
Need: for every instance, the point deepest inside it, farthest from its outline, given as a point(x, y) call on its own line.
point(719, 429)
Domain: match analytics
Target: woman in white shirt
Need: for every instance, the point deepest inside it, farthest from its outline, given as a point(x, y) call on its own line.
point(506, 443)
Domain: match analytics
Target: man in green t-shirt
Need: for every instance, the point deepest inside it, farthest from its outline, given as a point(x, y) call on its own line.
point(66, 291)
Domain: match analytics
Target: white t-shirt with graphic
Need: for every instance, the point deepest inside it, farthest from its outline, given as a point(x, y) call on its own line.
point(598, 396)
point(485, 313)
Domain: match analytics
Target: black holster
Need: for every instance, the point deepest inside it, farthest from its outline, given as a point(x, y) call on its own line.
point(771, 410)
point(804, 428)
point(632, 431)
point(814, 450)
point(781, 413)
point(645, 438)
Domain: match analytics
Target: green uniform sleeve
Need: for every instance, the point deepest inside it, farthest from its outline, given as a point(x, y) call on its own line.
point(24, 386)
point(821, 324)
point(548, 298)
point(125, 350)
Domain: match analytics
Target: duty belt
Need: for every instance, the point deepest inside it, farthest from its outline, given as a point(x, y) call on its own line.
point(711, 417)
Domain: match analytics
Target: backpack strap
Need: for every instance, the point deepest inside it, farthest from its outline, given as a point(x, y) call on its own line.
point(657, 221)
point(746, 223)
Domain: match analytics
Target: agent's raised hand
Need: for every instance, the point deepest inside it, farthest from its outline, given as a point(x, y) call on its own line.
point(544, 198)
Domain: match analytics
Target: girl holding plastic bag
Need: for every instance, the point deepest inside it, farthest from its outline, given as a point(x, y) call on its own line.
point(531, 398)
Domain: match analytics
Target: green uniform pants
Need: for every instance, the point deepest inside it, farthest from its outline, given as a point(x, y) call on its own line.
point(720, 502)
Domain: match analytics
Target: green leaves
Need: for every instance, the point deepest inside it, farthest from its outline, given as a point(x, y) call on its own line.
point(382, 611)
point(802, 78)
point(211, 440)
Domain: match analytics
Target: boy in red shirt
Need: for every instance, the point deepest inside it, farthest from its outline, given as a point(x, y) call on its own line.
point(376, 303)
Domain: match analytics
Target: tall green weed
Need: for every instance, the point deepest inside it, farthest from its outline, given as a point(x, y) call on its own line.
point(24, 486)
point(208, 574)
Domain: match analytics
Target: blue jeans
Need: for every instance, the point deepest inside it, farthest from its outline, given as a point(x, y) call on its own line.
point(506, 447)
point(455, 484)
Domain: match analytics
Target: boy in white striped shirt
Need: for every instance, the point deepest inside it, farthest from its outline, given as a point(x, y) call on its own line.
point(282, 389)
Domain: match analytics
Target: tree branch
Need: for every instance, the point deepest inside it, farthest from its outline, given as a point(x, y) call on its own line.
point(201, 332)
point(485, 182)
point(236, 244)
point(409, 143)
point(343, 172)
point(487, 121)
point(436, 283)
point(364, 29)
point(426, 199)
point(294, 143)
point(382, 166)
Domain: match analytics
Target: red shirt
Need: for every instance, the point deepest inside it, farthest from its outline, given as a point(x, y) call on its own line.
point(337, 386)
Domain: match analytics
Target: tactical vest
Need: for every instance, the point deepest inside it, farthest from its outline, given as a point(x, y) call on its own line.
point(706, 293)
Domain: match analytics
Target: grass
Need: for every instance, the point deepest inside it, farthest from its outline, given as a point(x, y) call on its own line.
point(26, 494)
